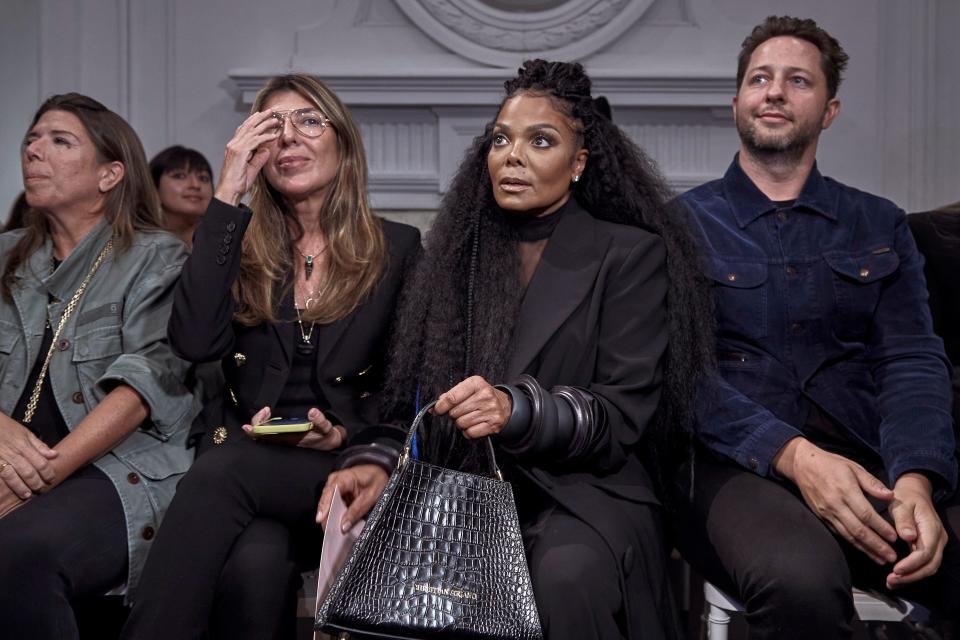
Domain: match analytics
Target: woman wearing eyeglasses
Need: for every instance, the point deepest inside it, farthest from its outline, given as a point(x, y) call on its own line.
point(294, 296)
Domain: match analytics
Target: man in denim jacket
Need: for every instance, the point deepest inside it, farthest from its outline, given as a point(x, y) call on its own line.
point(827, 454)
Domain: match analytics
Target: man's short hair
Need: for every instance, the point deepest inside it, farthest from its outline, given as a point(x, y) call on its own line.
point(833, 59)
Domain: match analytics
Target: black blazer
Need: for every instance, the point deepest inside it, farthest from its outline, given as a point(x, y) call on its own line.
point(594, 316)
point(256, 360)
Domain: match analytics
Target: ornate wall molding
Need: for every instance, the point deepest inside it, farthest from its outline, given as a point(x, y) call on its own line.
point(471, 87)
point(483, 32)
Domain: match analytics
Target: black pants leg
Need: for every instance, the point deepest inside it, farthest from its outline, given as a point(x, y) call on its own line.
point(575, 580)
point(257, 591)
point(62, 545)
point(757, 541)
point(224, 491)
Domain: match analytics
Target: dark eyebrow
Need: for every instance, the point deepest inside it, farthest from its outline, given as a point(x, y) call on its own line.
point(767, 68)
point(542, 125)
point(64, 132)
point(534, 127)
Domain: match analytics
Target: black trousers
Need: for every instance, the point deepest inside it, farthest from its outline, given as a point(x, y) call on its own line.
point(575, 580)
point(223, 563)
point(584, 589)
point(757, 540)
point(60, 546)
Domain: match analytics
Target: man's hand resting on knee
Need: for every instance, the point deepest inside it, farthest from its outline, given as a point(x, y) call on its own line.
point(835, 488)
point(919, 525)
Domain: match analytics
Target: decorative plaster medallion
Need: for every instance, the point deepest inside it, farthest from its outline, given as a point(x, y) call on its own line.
point(487, 32)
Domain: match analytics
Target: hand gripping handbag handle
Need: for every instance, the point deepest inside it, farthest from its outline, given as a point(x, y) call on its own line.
point(408, 444)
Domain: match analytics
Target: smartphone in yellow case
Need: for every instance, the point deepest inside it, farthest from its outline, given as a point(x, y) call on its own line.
point(276, 426)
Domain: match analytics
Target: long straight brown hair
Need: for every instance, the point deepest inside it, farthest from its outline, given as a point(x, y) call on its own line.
point(132, 205)
point(356, 248)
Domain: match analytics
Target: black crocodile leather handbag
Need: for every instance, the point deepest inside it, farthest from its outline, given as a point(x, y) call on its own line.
point(440, 557)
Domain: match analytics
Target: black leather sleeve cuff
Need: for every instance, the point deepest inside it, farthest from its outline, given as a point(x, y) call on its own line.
point(376, 453)
point(519, 422)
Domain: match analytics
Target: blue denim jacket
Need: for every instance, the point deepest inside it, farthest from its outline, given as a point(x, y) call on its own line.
point(821, 302)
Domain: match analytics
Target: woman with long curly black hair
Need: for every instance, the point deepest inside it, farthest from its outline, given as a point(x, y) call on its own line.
point(556, 264)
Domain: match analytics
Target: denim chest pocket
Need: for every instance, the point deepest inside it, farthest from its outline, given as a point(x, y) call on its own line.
point(9, 337)
point(741, 296)
point(857, 282)
point(93, 352)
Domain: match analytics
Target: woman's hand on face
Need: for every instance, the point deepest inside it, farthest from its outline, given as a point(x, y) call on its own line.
point(25, 466)
point(360, 486)
point(476, 407)
point(245, 155)
point(324, 436)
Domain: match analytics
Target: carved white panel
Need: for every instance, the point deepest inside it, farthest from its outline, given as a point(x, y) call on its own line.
point(401, 148)
point(487, 33)
point(683, 152)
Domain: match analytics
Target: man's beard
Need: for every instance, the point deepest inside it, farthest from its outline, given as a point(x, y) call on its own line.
point(780, 148)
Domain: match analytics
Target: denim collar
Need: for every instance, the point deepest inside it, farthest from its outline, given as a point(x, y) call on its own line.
point(750, 203)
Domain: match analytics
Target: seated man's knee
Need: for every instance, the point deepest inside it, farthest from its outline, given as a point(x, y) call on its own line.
point(803, 589)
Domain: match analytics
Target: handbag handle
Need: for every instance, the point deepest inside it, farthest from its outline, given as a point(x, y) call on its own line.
point(405, 456)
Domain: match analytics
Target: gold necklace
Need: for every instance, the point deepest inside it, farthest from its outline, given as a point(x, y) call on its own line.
point(305, 336)
point(67, 312)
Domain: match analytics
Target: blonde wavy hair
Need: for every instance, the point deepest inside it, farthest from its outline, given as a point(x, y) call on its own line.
point(356, 251)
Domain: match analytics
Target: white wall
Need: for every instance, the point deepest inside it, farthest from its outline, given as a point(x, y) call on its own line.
point(19, 89)
point(182, 72)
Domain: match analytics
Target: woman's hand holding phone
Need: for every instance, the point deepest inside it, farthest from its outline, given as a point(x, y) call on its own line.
point(245, 155)
point(323, 435)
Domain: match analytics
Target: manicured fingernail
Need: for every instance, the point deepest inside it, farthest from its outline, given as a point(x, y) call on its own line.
point(909, 532)
point(345, 526)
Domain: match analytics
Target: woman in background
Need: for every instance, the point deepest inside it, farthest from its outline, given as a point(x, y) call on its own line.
point(184, 182)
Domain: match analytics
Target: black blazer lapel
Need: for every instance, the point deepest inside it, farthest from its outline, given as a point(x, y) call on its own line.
point(329, 337)
point(566, 274)
point(280, 354)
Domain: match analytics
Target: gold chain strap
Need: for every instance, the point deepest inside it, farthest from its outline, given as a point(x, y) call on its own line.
point(35, 396)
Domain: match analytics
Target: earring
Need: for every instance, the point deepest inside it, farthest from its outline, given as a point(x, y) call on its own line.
point(576, 178)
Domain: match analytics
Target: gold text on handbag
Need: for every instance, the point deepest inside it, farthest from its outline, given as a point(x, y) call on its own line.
point(423, 587)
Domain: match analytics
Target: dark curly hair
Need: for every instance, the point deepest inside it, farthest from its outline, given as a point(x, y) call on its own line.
point(833, 59)
point(447, 331)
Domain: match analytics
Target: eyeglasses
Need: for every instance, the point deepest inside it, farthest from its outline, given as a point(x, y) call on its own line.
point(308, 122)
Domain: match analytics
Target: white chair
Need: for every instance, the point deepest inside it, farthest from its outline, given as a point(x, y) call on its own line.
point(718, 606)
